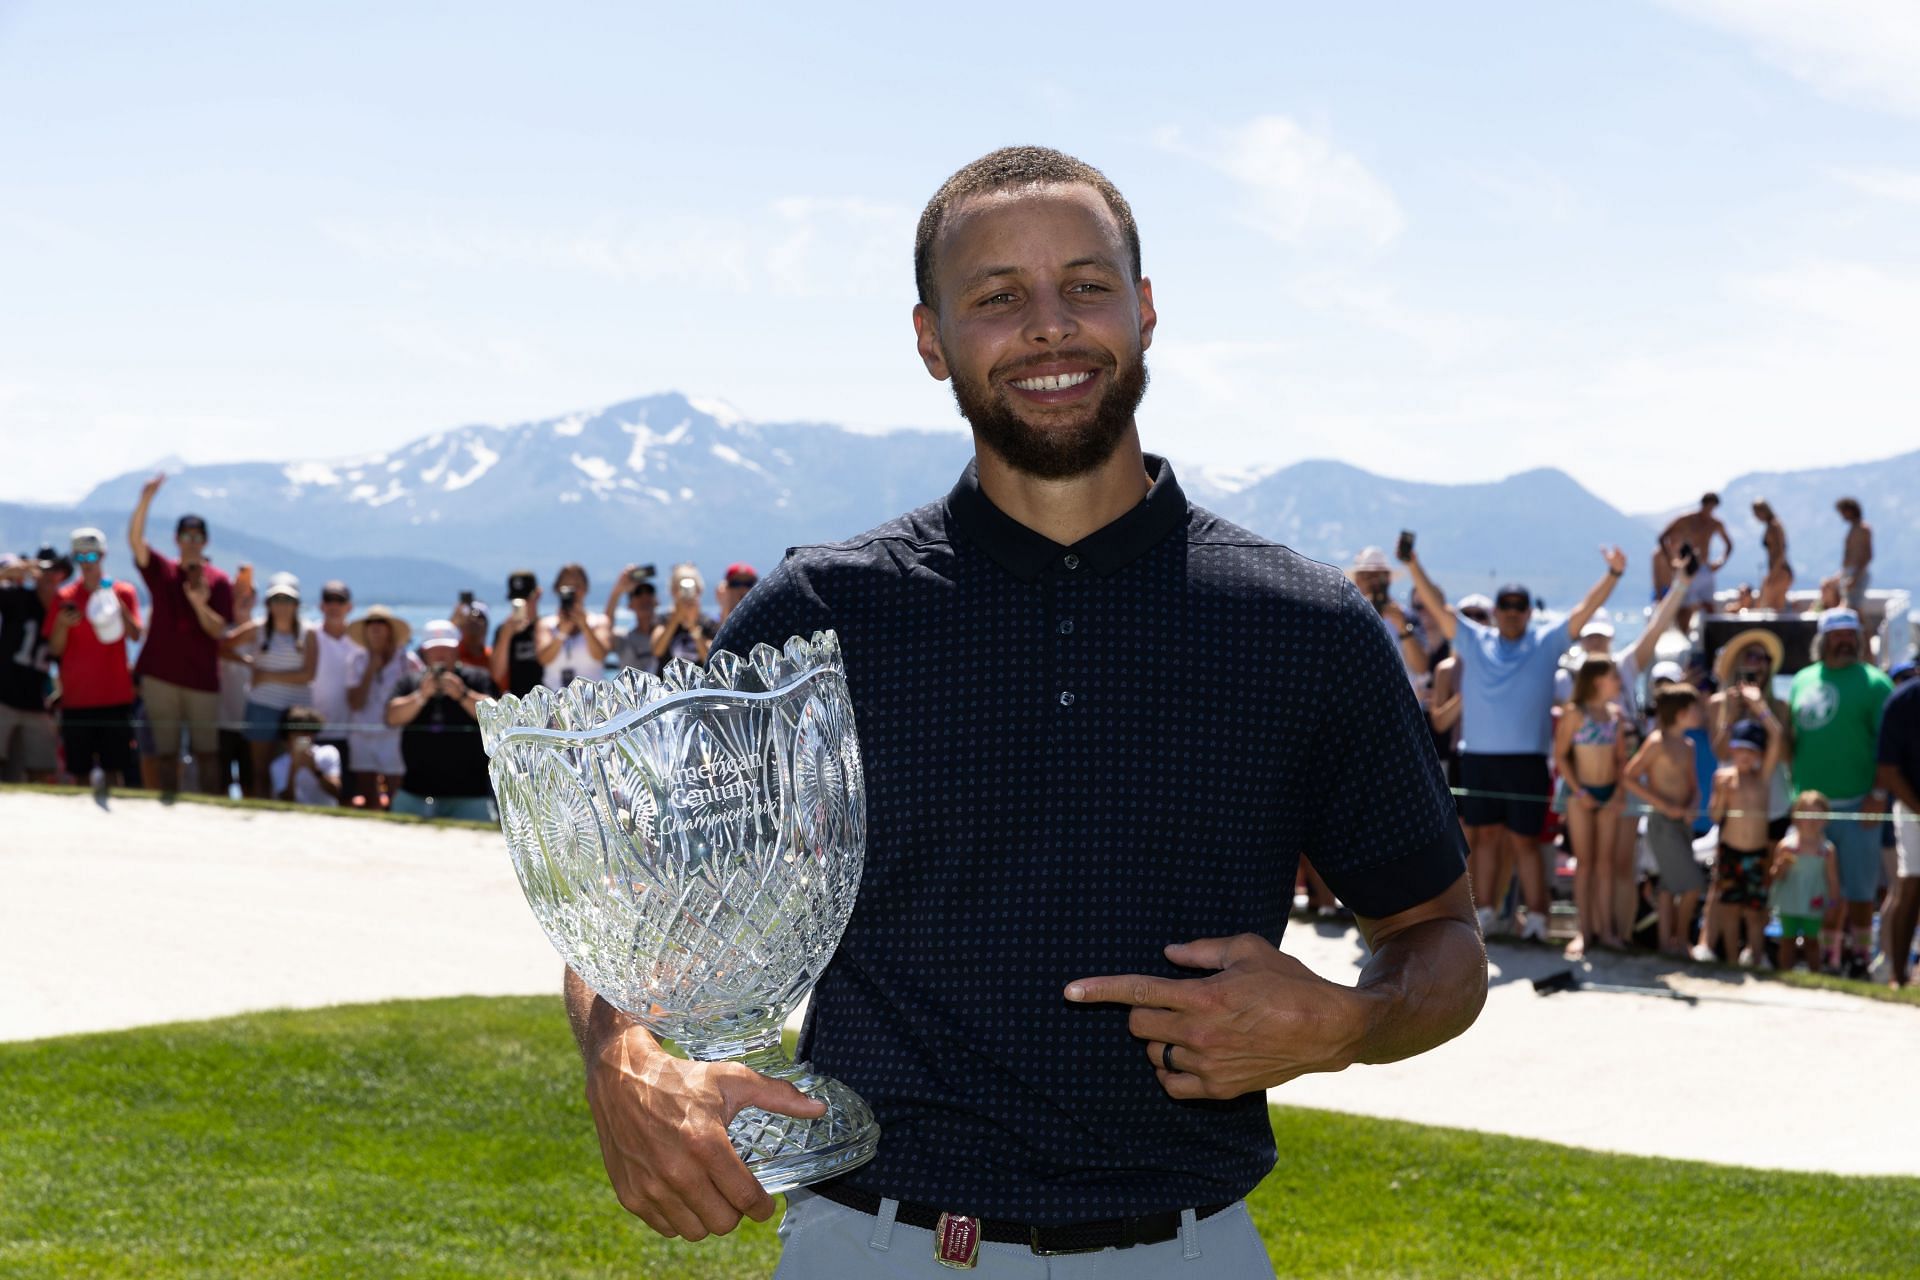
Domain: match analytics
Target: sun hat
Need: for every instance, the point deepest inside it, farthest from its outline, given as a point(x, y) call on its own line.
point(1371, 560)
point(402, 632)
point(1666, 671)
point(1731, 650)
point(1838, 620)
point(439, 633)
point(1597, 627)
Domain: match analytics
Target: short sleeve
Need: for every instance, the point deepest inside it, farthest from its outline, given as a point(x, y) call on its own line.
point(780, 606)
point(408, 685)
point(325, 759)
point(157, 572)
point(220, 598)
point(1899, 726)
point(130, 598)
point(1384, 834)
point(1468, 639)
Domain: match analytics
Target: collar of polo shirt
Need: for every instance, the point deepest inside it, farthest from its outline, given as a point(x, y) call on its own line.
point(1027, 554)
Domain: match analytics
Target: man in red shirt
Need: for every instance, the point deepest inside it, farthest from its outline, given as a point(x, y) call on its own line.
point(179, 666)
point(93, 618)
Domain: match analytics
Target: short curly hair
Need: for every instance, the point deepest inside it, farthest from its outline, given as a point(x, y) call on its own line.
point(1003, 170)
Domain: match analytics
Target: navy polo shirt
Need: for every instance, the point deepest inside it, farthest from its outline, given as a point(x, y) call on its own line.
point(1075, 756)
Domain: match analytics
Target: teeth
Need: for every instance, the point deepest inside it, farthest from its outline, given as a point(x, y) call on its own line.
point(1052, 381)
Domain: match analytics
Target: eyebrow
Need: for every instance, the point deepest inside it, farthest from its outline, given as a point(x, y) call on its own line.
point(985, 274)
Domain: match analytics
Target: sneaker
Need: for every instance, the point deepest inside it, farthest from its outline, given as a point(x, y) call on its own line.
point(1704, 954)
point(1856, 968)
point(1534, 930)
point(1747, 960)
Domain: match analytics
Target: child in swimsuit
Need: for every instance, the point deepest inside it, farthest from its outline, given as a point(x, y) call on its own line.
point(1804, 882)
point(1661, 776)
point(1739, 805)
point(1592, 752)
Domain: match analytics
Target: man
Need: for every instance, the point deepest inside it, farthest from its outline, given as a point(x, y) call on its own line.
point(336, 672)
point(740, 579)
point(1836, 724)
point(446, 767)
point(1082, 835)
point(635, 648)
point(1856, 556)
point(1697, 530)
point(93, 620)
point(1506, 733)
point(29, 591)
point(179, 665)
point(1898, 774)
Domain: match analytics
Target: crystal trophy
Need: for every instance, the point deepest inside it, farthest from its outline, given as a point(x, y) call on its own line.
point(692, 845)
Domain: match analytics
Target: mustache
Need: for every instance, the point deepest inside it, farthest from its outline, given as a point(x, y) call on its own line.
point(1014, 368)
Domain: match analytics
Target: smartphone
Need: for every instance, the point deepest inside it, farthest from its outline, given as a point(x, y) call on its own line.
point(520, 586)
point(466, 597)
point(644, 572)
point(1403, 550)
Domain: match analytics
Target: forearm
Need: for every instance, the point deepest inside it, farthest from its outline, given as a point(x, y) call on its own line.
point(1425, 985)
point(403, 711)
point(210, 620)
point(1595, 597)
point(592, 1018)
point(1431, 599)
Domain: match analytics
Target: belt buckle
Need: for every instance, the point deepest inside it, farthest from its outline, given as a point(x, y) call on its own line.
point(956, 1241)
point(1033, 1243)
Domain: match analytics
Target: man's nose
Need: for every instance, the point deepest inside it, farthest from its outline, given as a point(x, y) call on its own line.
point(1049, 322)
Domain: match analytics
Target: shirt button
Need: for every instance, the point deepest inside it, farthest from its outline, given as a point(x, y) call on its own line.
point(1072, 562)
point(1066, 699)
point(1066, 627)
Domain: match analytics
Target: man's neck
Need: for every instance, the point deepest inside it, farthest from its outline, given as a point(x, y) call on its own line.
point(335, 627)
point(92, 578)
point(1066, 511)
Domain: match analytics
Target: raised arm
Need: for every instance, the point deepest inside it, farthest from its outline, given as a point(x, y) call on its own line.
point(137, 526)
point(1663, 615)
point(1430, 598)
point(1597, 594)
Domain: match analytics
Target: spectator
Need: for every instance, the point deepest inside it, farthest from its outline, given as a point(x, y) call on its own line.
point(236, 682)
point(1661, 775)
point(179, 666)
point(635, 648)
point(1697, 530)
point(1856, 557)
point(517, 645)
point(433, 711)
point(29, 592)
point(333, 673)
point(734, 587)
point(1779, 579)
point(373, 745)
point(283, 656)
point(1738, 803)
point(470, 616)
point(1744, 671)
point(1372, 574)
point(1803, 883)
point(577, 642)
point(308, 771)
point(93, 619)
point(1443, 699)
point(1591, 750)
point(1898, 773)
point(685, 633)
point(1836, 720)
point(1506, 685)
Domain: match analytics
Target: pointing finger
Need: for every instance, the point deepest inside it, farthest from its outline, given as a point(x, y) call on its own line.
point(1129, 988)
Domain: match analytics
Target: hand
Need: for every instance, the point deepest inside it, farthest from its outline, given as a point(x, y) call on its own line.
point(1679, 566)
point(453, 686)
point(1262, 1020)
point(68, 616)
point(663, 1122)
point(196, 588)
point(1584, 799)
point(1393, 613)
point(1616, 559)
point(152, 486)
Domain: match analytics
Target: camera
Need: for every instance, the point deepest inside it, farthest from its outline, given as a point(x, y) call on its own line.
point(643, 573)
point(567, 598)
point(1403, 550)
point(520, 586)
point(466, 598)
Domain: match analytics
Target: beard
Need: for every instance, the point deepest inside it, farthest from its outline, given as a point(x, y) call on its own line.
point(1058, 452)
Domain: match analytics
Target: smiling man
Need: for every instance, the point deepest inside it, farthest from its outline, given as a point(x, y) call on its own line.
point(1100, 727)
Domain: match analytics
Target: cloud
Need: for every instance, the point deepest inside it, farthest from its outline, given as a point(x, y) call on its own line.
point(1299, 188)
point(1859, 51)
point(1900, 185)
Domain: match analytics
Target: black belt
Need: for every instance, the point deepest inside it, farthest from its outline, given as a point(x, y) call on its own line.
point(1072, 1237)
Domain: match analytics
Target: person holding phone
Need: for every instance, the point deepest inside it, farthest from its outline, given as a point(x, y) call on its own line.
point(685, 632)
point(93, 619)
point(577, 642)
point(515, 663)
point(635, 648)
point(29, 590)
point(1374, 576)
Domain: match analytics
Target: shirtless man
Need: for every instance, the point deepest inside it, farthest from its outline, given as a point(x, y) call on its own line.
point(1855, 556)
point(1661, 775)
point(1779, 579)
point(1697, 529)
point(1739, 805)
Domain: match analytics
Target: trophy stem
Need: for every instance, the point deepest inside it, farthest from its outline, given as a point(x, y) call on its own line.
point(785, 1152)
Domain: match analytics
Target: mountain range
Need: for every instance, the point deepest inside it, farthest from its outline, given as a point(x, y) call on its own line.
point(667, 478)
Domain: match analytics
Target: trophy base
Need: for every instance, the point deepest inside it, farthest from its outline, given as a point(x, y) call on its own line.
point(784, 1152)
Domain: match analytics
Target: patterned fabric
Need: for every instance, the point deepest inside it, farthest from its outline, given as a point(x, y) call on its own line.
point(1076, 756)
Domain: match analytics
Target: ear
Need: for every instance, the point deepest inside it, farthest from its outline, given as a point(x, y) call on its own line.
point(926, 336)
point(1148, 316)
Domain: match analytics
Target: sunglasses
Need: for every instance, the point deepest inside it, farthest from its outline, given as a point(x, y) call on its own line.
point(335, 600)
point(88, 557)
point(1513, 605)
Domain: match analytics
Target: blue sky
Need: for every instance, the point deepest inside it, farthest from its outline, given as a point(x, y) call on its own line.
point(1655, 244)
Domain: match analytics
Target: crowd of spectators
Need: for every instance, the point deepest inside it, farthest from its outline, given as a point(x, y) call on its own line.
point(226, 684)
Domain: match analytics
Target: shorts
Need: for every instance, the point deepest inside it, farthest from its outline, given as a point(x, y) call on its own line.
point(1858, 846)
point(263, 723)
point(1857, 589)
point(1517, 788)
point(1906, 841)
point(172, 708)
point(98, 735)
point(1700, 591)
point(1741, 875)
point(28, 743)
point(1799, 926)
point(1671, 842)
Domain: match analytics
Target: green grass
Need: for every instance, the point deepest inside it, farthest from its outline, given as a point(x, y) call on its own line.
point(449, 1138)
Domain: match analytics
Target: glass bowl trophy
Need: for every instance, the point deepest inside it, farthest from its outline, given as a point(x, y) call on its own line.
point(692, 846)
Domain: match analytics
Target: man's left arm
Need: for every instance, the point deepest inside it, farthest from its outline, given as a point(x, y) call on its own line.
point(1597, 594)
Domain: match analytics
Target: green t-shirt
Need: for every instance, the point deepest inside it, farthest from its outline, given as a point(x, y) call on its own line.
point(1836, 726)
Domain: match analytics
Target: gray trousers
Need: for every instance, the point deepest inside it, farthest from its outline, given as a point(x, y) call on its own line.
point(822, 1240)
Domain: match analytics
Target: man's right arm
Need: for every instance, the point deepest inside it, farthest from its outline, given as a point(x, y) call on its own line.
point(137, 526)
point(1430, 598)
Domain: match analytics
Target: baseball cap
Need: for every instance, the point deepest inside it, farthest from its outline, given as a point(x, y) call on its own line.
point(1900, 670)
point(740, 574)
point(1838, 620)
point(1666, 672)
point(1511, 590)
point(85, 540)
point(335, 589)
point(439, 632)
point(284, 587)
point(1750, 734)
point(187, 522)
point(1597, 627)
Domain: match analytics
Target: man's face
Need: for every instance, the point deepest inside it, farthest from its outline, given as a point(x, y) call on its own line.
point(1041, 326)
point(192, 544)
point(334, 608)
point(1840, 648)
point(1372, 582)
point(1511, 615)
point(645, 604)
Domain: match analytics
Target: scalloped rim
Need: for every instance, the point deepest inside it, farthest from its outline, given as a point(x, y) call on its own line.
point(587, 710)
